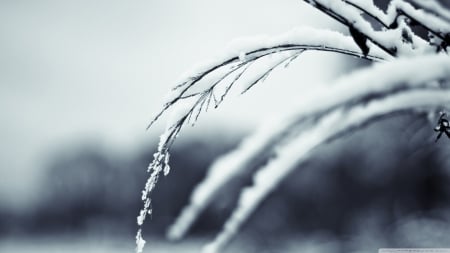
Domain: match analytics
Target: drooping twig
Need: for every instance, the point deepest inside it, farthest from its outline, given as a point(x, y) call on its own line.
point(330, 127)
point(314, 39)
point(356, 89)
point(396, 39)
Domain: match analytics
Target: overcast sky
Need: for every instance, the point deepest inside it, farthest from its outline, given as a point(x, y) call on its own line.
point(74, 71)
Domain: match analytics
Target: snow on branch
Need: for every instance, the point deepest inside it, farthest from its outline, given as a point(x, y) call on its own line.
point(244, 51)
point(431, 22)
point(250, 153)
point(331, 126)
point(388, 87)
point(397, 38)
point(222, 74)
point(396, 8)
point(357, 88)
point(435, 7)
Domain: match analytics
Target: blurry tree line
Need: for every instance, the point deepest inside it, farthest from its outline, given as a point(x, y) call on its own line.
point(386, 172)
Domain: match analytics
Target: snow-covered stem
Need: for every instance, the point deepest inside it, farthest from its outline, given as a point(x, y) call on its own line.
point(352, 102)
point(339, 11)
point(345, 93)
point(256, 48)
point(293, 43)
point(241, 54)
point(434, 7)
point(330, 127)
point(352, 18)
point(220, 172)
point(434, 24)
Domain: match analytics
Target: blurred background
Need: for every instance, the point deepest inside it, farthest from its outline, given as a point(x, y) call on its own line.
point(80, 81)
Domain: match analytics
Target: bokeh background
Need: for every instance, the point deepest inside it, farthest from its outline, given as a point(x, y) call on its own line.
point(80, 81)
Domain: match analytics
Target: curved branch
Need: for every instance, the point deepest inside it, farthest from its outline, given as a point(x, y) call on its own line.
point(353, 20)
point(436, 25)
point(434, 7)
point(249, 51)
point(351, 17)
point(344, 108)
point(358, 88)
point(330, 127)
point(370, 9)
point(256, 48)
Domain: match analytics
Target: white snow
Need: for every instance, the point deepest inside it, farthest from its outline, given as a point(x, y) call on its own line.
point(291, 154)
point(392, 38)
point(431, 21)
point(140, 242)
point(398, 85)
point(378, 79)
point(180, 110)
point(221, 171)
point(434, 6)
point(242, 56)
point(297, 39)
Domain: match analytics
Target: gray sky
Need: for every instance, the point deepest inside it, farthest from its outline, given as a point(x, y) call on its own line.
point(72, 71)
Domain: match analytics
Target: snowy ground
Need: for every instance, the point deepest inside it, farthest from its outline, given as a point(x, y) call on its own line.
point(91, 245)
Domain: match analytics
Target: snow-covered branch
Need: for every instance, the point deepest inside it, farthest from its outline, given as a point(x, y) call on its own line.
point(223, 74)
point(386, 88)
point(357, 88)
point(433, 6)
point(331, 126)
point(434, 24)
point(245, 51)
point(397, 38)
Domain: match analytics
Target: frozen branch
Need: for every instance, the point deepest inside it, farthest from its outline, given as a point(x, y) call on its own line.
point(224, 72)
point(434, 24)
point(357, 88)
point(247, 50)
point(397, 38)
point(329, 127)
point(354, 101)
point(434, 7)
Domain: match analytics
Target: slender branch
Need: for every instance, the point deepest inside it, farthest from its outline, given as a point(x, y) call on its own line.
point(330, 127)
point(406, 9)
point(344, 20)
point(368, 12)
point(267, 72)
point(434, 7)
point(343, 110)
point(348, 92)
point(434, 24)
point(255, 55)
point(409, 13)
